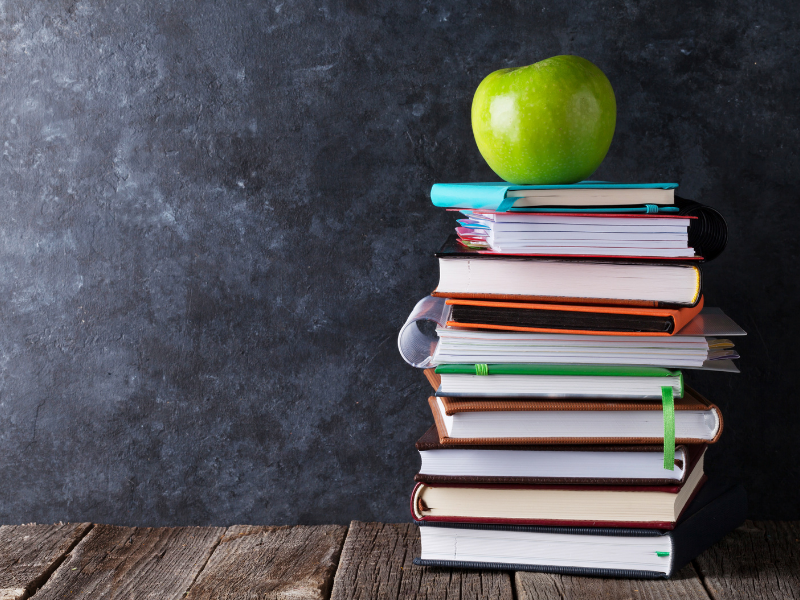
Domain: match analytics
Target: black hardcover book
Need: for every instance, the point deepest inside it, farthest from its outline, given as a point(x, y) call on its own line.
point(599, 552)
point(554, 319)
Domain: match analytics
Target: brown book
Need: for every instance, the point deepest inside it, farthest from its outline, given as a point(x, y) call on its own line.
point(433, 378)
point(554, 464)
point(486, 421)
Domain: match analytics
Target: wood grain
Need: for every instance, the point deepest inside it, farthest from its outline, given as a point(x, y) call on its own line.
point(29, 553)
point(127, 562)
point(545, 586)
point(760, 559)
point(272, 562)
point(376, 563)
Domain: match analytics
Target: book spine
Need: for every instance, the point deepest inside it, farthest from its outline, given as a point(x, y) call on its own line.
point(707, 526)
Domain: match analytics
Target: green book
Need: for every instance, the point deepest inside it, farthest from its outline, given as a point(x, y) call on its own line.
point(557, 381)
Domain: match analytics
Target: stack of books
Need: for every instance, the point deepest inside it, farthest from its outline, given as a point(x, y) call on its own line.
point(565, 438)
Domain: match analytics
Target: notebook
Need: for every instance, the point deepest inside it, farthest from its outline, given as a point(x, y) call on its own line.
point(648, 283)
point(651, 507)
point(502, 196)
point(601, 465)
point(704, 343)
point(462, 345)
point(455, 247)
point(503, 421)
point(635, 553)
point(708, 231)
point(569, 318)
point(605, 234)
point(532, 380)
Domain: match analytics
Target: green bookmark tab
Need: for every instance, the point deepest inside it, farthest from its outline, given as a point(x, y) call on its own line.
point(668, 408)
point(481, 369)
point(659, 553)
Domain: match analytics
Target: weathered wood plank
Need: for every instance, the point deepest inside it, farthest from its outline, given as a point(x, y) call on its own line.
point(376, 563)
point(543, 586)
point(271, 562)
point(29, 553)
point(760, 559)
point(127, 562)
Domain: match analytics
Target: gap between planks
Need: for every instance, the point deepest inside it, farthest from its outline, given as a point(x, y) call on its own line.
point(29, 554)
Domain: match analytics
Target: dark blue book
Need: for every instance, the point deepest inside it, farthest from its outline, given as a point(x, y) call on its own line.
point(599, 552)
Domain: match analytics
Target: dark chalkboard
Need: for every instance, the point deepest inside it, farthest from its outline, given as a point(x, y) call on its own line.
point(215, 219)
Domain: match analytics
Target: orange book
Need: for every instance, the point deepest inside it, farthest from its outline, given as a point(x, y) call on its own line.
point(569, 318)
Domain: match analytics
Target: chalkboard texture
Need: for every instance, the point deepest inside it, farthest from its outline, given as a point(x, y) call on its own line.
point(215, 219)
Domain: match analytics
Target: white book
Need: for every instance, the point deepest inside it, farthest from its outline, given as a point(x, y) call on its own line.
point(677, 284)
point(552, 386)
point(575, 465)
point(457, 345)
point(595, 251)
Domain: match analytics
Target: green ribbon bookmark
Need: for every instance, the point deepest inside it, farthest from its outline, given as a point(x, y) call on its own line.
point(659, 553)
point(481, 369)
point(668, 408)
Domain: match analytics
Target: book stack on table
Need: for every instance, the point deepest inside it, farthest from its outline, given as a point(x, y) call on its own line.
point(565, 438)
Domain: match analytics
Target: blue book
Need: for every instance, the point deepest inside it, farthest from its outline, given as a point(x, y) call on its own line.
point(585, 196)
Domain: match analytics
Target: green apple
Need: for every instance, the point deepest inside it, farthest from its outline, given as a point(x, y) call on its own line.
point(548, 123)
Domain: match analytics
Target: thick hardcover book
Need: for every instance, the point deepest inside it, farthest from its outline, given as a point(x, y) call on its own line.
point(653, 507)
point(555, 464)
point(661, 283)
point(506, 421)
point(569, 318)
point(635, 553)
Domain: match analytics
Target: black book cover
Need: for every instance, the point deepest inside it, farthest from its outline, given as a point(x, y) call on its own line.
point(716, 510)
point(558, 319)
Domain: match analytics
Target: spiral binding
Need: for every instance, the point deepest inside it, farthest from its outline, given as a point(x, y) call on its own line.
point(708, 233)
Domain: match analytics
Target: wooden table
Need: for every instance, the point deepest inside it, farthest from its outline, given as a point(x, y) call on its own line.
point(760, 560)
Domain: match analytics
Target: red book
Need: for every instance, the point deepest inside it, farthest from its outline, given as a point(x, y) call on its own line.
point(648, 507)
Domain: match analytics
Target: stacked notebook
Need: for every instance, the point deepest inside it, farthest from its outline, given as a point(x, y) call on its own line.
point(564, 436)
